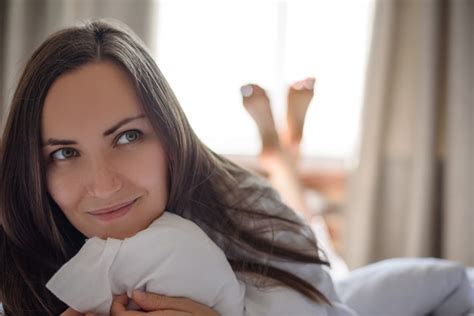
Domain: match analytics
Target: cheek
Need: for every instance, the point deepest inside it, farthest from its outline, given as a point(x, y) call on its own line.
point(152, 172)
point(64, 188)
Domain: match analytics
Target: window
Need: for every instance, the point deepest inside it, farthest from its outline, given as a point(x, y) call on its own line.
point(208, 49)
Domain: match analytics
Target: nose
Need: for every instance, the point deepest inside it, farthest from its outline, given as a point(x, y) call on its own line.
point(104, 181)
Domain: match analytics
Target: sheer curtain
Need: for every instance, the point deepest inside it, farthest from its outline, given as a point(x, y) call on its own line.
point(413, 191)
point(24, 24)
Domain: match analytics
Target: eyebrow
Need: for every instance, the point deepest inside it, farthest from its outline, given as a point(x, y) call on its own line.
point(107, 132)
point(119, 124)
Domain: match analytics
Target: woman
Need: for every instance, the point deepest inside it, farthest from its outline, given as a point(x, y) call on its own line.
point(47, 184)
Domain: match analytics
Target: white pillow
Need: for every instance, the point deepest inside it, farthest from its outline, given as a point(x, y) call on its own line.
point(408, 286)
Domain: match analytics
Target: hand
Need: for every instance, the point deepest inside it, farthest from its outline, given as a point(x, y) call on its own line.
point(72, 312)
point(159, 305)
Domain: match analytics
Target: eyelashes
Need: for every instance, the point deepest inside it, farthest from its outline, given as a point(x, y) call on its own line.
point(128, 137)
point(65, 153)
point(124, 138)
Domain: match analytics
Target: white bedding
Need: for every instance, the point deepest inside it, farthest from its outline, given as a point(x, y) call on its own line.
point(405, 287)
point(409, 287)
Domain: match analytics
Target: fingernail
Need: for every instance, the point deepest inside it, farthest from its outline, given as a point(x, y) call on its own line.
point(246, 90)
point(139, 294)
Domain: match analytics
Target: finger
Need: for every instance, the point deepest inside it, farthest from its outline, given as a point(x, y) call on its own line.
point(153, 302)
point(71, 312)
point(119, 304)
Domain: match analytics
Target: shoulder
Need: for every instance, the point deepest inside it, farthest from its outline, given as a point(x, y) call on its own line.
point(280, 300)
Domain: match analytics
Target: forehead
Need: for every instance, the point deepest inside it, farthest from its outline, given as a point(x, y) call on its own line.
point(96, 95)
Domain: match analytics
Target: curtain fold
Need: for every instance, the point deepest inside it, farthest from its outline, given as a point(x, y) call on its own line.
point(413, 191)
point(26, 23)
point(459, 191)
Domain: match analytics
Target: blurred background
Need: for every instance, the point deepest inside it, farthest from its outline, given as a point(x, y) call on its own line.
point(388, 144)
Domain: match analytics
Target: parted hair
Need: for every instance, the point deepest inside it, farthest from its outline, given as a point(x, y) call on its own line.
point(35, 237)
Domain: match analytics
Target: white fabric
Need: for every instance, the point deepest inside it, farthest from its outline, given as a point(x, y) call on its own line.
point(409, 287)
point(283, 301)
point(339, 267)
point(194, 273)
point(173, 257)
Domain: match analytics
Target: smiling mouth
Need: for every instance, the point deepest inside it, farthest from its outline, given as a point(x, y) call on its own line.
point(114, 212)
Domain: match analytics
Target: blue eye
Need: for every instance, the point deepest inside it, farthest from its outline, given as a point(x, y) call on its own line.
point(64, 154)
point(128, 137)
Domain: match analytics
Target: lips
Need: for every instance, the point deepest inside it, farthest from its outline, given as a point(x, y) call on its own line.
point(112, 212)
point(111, 208)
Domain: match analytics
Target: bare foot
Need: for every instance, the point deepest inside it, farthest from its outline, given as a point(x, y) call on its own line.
point(275, 160)
point(257, 104)
point(300, 94)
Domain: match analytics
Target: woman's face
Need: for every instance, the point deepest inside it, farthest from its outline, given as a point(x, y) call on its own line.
point(106, 168)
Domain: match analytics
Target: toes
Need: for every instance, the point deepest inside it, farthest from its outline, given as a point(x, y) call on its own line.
point(305, 84)
point(308, 83)
point(246, 90)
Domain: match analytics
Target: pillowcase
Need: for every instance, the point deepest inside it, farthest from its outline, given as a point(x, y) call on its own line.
point(408, 286)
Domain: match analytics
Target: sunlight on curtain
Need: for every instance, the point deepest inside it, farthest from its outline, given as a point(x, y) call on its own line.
point(208, 49)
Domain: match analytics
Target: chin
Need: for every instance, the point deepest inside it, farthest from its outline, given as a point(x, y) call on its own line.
point(117, 234)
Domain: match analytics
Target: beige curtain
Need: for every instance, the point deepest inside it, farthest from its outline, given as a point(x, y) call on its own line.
point(24, 24)
point(413, 191)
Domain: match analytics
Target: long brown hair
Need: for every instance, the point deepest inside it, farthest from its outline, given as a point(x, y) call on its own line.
point(36, 238)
